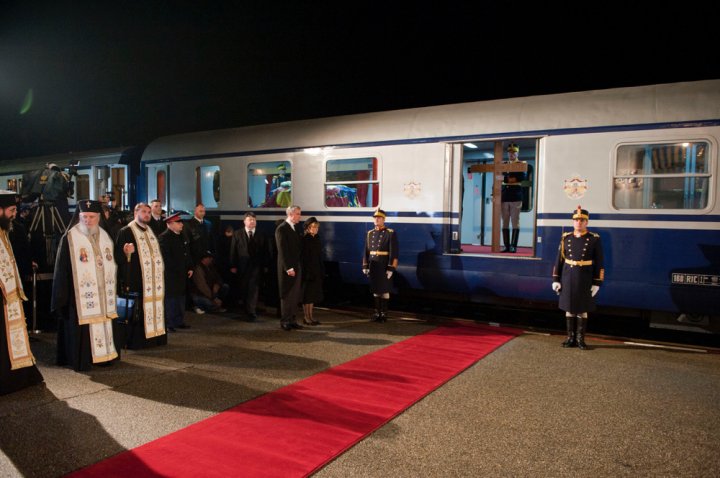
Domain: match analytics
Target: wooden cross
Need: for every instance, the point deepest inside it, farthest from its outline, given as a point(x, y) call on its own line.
point(497, 168)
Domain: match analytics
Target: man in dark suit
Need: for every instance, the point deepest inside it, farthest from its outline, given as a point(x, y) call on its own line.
point(249, 256)
point(157, 220)
point(199, 231)
point(288, 237)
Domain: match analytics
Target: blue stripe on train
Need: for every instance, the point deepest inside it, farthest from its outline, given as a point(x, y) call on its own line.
point(639, 265)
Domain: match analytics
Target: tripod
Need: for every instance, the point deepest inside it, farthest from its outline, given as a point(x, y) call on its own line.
point(47, 219)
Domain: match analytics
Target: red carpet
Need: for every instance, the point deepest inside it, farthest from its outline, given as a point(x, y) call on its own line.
point(299, 428)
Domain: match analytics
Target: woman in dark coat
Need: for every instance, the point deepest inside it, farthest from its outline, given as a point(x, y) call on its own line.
point(313, 270)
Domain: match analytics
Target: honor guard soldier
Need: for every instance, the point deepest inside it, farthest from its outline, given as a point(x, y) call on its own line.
point(379, 263)
point(577, 276)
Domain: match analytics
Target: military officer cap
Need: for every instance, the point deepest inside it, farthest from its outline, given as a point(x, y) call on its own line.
point(513, 148)
point(379, 213)
point(89, 205)
point(174, 217)
point(7, 198)
point(580, 213)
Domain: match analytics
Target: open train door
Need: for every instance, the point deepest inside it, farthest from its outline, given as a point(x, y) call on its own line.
point(485, 170)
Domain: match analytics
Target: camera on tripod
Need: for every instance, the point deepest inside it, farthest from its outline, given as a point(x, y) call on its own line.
point(51, 187)
point(49, 184)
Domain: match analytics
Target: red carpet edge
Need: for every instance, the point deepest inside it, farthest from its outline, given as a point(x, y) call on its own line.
point(298, 429)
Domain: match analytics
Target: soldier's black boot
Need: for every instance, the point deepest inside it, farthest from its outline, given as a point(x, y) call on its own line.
point(383, 310)
point(570, 326)
point(581, 327)
point(506, 240)
point(514, 241)
point(376, 316)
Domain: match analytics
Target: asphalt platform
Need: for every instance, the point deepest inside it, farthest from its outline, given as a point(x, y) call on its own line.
point(530, 408)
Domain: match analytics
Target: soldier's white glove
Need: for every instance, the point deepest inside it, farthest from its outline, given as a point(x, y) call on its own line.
point(389, 274)
point(366, 271)
point(594, 290)
point(556, 286)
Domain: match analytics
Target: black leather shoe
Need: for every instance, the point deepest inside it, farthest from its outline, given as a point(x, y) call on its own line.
point(295, 325)
point(287, 327)
point(569, 342)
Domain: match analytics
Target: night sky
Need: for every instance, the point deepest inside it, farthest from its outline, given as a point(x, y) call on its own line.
point(105, 75)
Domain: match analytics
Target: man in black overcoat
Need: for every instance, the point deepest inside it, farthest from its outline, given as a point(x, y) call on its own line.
point(249, 256)
point(577, 276)
point(199, 231)
point(178, 269)
point(288, 237)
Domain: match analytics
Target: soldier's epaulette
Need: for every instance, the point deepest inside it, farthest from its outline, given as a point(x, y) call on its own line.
point(594, 234)
point(389, 230)
point(566, 234)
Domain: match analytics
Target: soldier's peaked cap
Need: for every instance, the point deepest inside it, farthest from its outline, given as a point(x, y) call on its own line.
point(174, 217)
point(379, 213)
point(580, 213)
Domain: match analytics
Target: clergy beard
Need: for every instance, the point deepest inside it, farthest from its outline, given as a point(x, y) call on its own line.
point(88, 231)
point(5, 223)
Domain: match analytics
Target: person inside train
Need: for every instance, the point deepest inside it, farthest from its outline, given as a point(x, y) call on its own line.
point(511, 199)
point(577, 276)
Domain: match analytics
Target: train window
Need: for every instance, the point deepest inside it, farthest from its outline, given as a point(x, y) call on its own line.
point(270, 184)
point(352, 183)
point(82, 186)
point(662, 176)
point(209, 186)
point(160, 185)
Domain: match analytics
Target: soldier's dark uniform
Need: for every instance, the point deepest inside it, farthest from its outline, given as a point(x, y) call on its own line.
point(380, 257)
point(578, 267)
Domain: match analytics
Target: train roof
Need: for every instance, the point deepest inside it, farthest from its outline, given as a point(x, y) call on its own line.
point(63, 160)
point(655, 104)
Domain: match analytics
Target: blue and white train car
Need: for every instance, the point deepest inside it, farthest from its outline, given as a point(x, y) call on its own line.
point(642, 160)
point(94, 173)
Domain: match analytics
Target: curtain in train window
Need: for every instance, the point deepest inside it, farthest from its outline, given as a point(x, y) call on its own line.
point(352, 183)
point(270, 184)
point(160, 186)
point(662, 176)
point(82, 186)
point(208, 186)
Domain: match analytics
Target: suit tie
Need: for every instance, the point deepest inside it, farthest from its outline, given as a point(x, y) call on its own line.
point(251, 244)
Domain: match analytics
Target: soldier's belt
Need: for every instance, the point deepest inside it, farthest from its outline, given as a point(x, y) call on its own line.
point(578, 263)
point(379, 253)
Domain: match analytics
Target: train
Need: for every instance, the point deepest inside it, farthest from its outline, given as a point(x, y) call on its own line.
point(642, 160)
point(114, 171)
